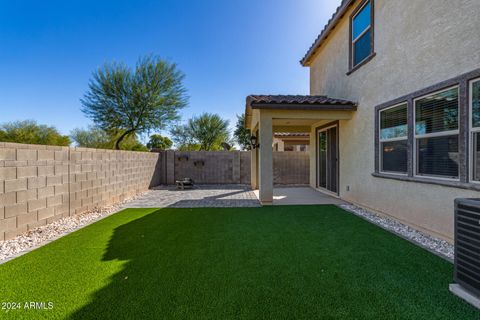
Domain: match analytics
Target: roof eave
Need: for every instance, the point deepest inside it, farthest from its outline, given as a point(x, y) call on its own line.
point(304, 106)
point(337, 16)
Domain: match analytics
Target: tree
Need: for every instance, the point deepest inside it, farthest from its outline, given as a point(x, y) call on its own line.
point(205, 132)
point(242, 135)
point(159, 142)
point(92, 137)
point(182, 138)
point(129, 102)
point(30, 132)
point(95, 137)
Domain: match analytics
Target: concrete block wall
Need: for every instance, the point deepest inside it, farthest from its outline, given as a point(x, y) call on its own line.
point(103, 177)
point(245, 163)
point(41, 184)
point(208, 167)
point(230, 167)
point(291, 168)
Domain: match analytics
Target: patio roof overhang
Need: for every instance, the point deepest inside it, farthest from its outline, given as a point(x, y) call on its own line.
point(304, 107)
point(267, 114)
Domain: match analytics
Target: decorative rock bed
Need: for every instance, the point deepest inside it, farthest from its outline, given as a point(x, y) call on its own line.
point(435, 245)
point(34, 238)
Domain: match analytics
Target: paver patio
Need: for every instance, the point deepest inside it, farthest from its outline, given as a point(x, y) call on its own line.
point(226, 196)
point(202, 196)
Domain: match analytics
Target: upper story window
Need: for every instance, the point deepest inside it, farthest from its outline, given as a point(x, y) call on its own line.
point(361, 45)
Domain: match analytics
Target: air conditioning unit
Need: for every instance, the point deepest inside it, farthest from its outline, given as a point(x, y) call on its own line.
point(467, 251)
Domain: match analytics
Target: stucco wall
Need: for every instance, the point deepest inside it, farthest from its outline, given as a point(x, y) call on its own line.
point(417, 44)
point(40, 184)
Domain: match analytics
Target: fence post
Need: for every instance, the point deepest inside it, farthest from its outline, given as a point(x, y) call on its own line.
point(170, 165)
point(236, 167)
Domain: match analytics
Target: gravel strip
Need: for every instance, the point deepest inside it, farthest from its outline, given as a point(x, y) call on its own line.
point(37, 237)
point(437, 246)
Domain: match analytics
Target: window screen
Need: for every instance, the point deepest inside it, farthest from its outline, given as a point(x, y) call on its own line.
point(475, 103)
point(394, 156)
point(438, 156)
point(393, 139)
point(436, 129)
point(476, 156)
point(393, 122)
point(437, 113)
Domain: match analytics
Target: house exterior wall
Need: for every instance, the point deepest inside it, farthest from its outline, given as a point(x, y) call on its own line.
point(417, 44)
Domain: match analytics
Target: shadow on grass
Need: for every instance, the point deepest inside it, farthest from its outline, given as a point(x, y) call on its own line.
point(300, 262)
point(135, 292)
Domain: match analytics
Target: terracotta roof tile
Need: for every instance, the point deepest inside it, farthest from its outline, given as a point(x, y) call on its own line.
point(292, 134)
point(264, 101)
point(345, 4)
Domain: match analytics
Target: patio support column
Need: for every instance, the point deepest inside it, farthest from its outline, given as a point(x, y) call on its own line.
point(266, 160)
point(281, 145)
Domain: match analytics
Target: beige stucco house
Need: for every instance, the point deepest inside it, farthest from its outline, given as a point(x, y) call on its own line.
point(393, 111)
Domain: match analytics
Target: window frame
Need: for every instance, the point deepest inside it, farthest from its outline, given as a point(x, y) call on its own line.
point(464, 83)
point(434, 135)
point(380, 140)
point(471, 131)
point(352, 66)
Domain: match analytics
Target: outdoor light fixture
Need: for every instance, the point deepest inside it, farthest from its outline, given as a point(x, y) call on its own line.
point(253, 142)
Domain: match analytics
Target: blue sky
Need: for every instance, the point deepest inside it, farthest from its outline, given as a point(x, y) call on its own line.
point(227, 49)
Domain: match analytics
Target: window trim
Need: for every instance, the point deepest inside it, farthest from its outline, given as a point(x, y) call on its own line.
point(434, 135)
point(380, 140)
point(463, 82)
point(471, 130)
point(351, 66)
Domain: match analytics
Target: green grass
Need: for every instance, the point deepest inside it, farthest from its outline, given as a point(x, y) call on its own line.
point(301, 262)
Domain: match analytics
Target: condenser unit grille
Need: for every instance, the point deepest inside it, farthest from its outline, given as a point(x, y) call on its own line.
point(467, 244)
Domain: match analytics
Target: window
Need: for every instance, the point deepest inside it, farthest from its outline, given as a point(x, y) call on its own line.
point(436, 134)
point(362, 34)
point(475, 128)
point(394, 139)
point(443, 140)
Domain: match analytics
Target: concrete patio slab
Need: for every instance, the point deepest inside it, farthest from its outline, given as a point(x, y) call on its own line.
point(301, 195)
point(201, 196)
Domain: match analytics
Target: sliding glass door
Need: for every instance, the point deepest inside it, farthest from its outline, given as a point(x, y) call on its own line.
point(327, 157)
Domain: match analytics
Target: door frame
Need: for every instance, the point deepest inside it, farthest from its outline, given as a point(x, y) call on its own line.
point(317, 131)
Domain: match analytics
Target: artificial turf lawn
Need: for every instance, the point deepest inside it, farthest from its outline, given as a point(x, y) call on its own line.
point(301, 262)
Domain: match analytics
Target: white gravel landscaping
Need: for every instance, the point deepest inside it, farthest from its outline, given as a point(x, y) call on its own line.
point(435, 245)
point(37, 237)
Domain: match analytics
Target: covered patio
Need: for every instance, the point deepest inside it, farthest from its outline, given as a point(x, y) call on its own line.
point(301, 196)
point(269, 114)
